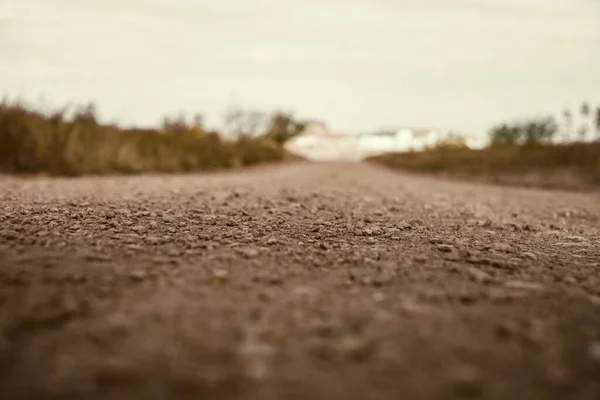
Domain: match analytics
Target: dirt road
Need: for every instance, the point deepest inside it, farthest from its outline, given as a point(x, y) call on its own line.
point(296, 282)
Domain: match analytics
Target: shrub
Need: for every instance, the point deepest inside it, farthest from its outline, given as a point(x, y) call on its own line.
point(32, 142)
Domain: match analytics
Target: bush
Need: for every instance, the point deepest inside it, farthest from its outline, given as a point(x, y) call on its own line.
point(530, 132)
point(579, 162)
point(32, 142)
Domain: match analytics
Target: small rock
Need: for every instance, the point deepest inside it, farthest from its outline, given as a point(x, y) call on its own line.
point(506, 248)
point(274, 280)
point(576, 238)
point(152, 240)
point(221, 275)
point(421, 259)
point(371, 240)
point(255, 348)
point(453, 255)
point(405, 225)
point(479, 276)
point(272, 241)
point(504, 330)
point(594, 350)
point(138, 275)
point(529, 255)
point(138, 228)
point(516, 284)
point(256, 355)
point(305, 291)
point(466, 380)
point(485, 223)
point(10, 235)
point(378, 297)
point(98, 257)
point(323, 246)
point(250, 253)
point(446, 248)
point(413, 307)
point(356, 348)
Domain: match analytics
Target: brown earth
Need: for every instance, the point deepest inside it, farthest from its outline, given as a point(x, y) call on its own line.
point(303, 281)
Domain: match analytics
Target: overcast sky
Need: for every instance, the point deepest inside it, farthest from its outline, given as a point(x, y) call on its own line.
point(357, 64)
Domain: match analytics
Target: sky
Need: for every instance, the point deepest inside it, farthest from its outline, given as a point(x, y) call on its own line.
point(358, 65)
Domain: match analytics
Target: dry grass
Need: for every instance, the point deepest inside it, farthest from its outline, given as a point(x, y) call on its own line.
point(571, 166)
point(33, 142)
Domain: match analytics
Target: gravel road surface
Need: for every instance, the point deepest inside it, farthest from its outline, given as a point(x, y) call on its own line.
point(302, 281)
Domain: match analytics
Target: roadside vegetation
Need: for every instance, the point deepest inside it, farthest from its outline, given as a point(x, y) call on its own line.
point(536, 152)
point(73, 142)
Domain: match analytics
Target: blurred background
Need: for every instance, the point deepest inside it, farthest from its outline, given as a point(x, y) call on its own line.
point(366, 77)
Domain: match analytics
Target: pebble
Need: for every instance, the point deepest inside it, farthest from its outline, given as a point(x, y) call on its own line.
point(479, 275)
point(272, 241)
point(446, 248)
point(138, 275)
point(594, 351)
point(502, 247)
point(307, 291)
point(252, 347)
point(515, 284)
point(250, 253)
point(221, 275)
point(10, 235)
point(152, 240)
point(453, 255)
point(405, 225)
point(357, 348)
point(421, 259)
point(466, 380)
point(529, 255)
point(575, 238)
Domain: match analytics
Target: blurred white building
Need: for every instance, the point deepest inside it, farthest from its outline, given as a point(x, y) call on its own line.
point(318, 143)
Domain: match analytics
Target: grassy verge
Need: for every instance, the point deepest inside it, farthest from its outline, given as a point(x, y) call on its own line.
point(32, 142)
point(570, 166)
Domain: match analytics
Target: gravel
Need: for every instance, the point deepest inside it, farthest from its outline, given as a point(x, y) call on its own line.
point(322, 281)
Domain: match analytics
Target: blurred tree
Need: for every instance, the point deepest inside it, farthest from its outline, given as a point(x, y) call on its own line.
point(598, 123)
point(585, 114)
point(86, 114)
point(505, 135)
point(282, 126)
point(539, 131)
point(530, 132)
point(585, 109)
point(452, 141)
point(239, 122)
point(568, 117)
point(175, 124)
point(199, 121)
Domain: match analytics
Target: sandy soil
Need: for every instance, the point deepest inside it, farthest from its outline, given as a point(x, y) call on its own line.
point(297, 282)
